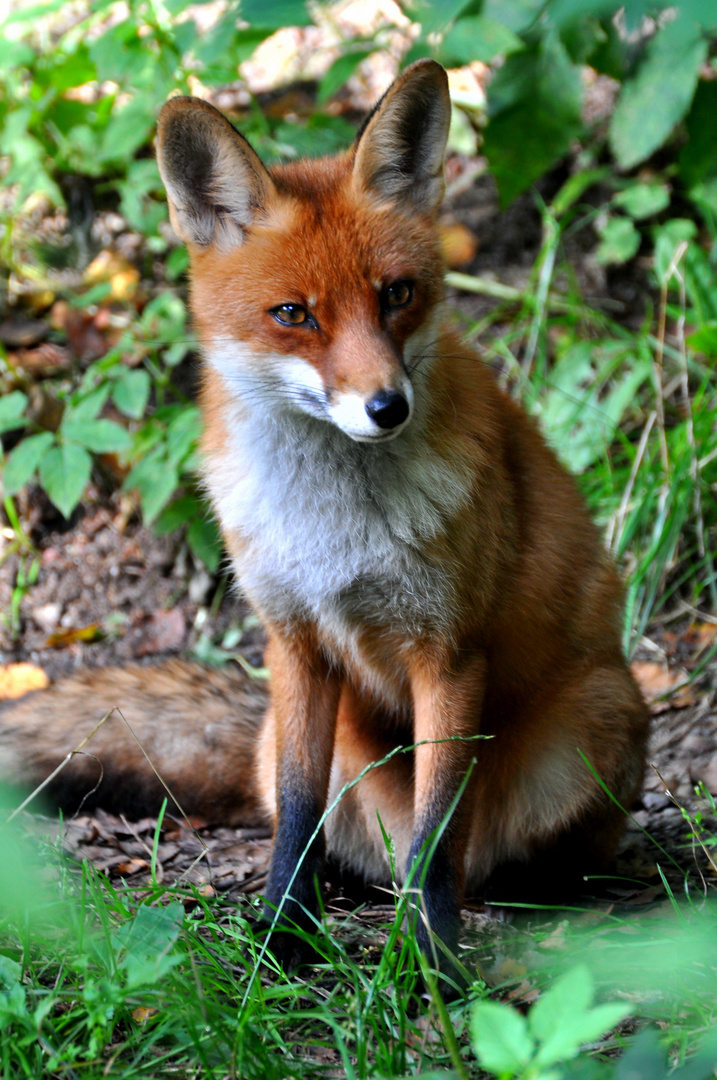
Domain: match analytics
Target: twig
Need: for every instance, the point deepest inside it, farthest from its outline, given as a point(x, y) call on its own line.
point(617, 522)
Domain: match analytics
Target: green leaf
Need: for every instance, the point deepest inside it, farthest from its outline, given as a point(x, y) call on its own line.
point(477, 38)
point(147, 941)
point(128, 129)
point(15, 54)
point(642, 200)
point(562, 1020)
point(698, 157)
point(319, 135)
point(155, 480)
point(434, 15)
point(573, 993)
point(276, 14)
point(183, 433)
point(644, 1057)
point(517, 15)
point(100, 436)
point(87, 406)
point(701, 283)
point(704, 196)
point(620, 240)
point(178, 513)
point(204, 540)
point(575, 186)
point(534, 104)
point(32, 12)
point(64, 472)
point(177, 263)
point(583, 39)
point(668, 238)
point(592, 385)
point(12, 408)
point(341, 70)
point(72, 70)
point(704, 340)
point(23, 461)
point(658, 96)
point(500, 1038)
point(130, 392)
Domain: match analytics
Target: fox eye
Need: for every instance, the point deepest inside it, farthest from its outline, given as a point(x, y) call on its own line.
point(291, 314)
point(397, 295)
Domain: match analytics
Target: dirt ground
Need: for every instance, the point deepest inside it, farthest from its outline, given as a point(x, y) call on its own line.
point(109, 591)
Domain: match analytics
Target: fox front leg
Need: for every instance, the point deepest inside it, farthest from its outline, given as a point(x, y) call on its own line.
point(447, 706)
point(305, 695)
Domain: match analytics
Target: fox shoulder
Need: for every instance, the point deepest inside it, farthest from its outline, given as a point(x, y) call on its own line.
point(195, 726)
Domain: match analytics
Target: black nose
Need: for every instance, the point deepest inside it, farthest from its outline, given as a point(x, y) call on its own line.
point(388, 408)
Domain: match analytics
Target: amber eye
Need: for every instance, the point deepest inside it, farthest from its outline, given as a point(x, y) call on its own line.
point(290, 314)
point(397, 295)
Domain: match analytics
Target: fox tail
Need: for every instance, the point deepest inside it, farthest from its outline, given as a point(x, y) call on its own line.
point(194, 727)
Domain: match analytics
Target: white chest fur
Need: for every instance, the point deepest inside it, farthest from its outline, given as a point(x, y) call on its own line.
point(335, 530)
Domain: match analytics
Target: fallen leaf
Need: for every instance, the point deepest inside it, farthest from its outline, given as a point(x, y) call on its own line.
point(110, 267)
point(86, 341)
point(165, 631)
point(144, 1013)
point(512, 969)
point(44, 361)
point(690, 642)
point(70, 635)
point(525, 992)
point(22, 333)
point(126, 869)
point(555, 939)
point(657, 680)
point(458, 244)
point(19, 679)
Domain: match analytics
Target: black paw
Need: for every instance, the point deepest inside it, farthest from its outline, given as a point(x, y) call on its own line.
point(291, 949)
point(287, 934)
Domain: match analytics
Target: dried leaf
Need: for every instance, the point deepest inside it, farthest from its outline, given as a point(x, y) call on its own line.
point(19, 679)
point(144, 1013)
point(22, 333)
point(110, 267)
point(126, 869)
point(657, 680)
point(70, 635)
point(458, 244)
point(164, 632)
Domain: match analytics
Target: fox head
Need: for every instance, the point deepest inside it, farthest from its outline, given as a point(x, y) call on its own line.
point(314, 283)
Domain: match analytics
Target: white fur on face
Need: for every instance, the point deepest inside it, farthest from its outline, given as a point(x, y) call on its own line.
point(348, 412)
point(298, 384)
point(268, 381)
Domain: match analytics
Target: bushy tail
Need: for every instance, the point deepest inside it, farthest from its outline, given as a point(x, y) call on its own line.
point(196, 726)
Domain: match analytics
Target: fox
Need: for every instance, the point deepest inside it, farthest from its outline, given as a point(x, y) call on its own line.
point(426, 571)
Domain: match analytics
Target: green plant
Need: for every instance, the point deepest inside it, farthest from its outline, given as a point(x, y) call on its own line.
point(509, 1045)
point(535, 97)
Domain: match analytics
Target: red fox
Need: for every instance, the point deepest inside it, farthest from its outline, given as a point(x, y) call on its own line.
point(425, 569)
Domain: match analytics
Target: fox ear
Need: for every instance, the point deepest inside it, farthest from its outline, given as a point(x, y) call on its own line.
point(400, 150)
point(216, 184)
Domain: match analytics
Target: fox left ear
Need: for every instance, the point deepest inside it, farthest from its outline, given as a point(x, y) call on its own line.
point(400, 150)
point(216, 185)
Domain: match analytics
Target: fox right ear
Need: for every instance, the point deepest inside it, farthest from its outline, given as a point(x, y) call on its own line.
point(216, 184)
point(400, 150)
